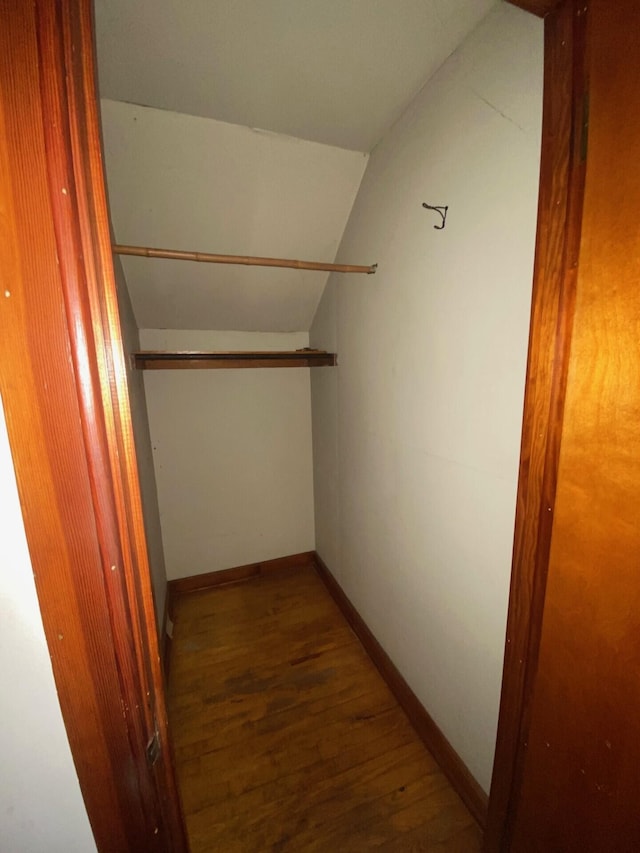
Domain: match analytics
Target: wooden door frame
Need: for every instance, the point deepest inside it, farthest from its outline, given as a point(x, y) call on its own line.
point(562, 173)
point(64, 388)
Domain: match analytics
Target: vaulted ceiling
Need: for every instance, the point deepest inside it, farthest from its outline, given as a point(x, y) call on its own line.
point(337, 73)
point(183, 182)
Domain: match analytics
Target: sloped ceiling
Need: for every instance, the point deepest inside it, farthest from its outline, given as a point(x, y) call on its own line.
point(183, 82)
point(183, 182)
point(334, 71)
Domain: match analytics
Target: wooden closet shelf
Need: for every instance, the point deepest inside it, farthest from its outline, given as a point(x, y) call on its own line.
point(226, 360)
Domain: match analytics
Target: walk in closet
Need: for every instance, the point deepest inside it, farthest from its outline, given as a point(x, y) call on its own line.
point(318, 367)
point(408, 327)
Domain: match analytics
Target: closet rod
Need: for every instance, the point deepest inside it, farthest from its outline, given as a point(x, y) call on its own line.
point(204, 257)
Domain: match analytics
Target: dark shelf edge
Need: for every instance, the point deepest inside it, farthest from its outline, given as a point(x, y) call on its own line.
point(230, 360)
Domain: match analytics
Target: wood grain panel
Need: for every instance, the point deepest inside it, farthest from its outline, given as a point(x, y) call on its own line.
point(559, 217)
point(448, 759)
point(581, 786)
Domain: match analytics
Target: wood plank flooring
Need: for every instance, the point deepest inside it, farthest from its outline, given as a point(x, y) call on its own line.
point(287, 738)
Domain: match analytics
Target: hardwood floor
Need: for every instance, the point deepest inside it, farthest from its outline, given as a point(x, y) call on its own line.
point(287, 738)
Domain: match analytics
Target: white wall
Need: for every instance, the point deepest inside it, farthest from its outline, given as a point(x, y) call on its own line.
point(181, 182)
point(416, 435)
point(41, 807)
point(232, 454)
point(144, 456)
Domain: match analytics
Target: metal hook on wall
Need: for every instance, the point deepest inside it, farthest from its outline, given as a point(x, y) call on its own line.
point(442, 210)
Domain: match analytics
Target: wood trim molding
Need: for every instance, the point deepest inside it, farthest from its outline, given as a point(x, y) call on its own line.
point(237, 574)
point(166, 640)
point(562, 175)
point(450, 762)
point(64, 389)
point(81, 221)
point(540, 8)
